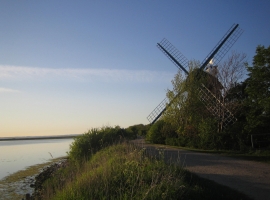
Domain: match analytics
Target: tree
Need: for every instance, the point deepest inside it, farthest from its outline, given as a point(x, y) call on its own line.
point(189, 116)
point(186, 110)
point(231, 72)
point(236, 97)
point(183, 98)
point(258, 91)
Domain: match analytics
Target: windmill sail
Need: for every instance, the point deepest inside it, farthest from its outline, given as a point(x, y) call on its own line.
point(174, 55)
point(214, 57)
point(223, 46)
point(215, 106)
point(181, 62)
point(157, 112)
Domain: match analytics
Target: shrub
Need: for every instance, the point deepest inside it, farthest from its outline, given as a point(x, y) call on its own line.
point(84, 146)
point(208, 137)
point(156, 133)
point(139, 129)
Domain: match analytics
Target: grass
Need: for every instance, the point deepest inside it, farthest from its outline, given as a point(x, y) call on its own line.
point(125, 172)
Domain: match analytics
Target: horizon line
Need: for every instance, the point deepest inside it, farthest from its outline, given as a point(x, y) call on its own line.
point(39, 137)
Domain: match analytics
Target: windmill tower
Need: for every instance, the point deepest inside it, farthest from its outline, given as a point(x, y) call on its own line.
point(208, 66)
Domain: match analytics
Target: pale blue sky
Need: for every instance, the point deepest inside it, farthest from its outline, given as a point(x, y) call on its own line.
point(67, 66)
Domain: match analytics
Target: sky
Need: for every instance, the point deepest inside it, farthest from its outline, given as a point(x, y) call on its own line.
point(69, 66)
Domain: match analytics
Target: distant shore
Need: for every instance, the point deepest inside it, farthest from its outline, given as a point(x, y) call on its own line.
point(38, 137)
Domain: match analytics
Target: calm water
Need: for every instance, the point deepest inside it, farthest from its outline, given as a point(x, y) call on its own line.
point(17, 155)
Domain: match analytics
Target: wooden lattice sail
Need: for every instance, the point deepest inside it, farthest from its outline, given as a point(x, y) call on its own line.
point(211, 101)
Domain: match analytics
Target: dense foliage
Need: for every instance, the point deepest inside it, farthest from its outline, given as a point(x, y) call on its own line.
point(258, 91)
point(139, 129)
point(156, 133)
point(83, 147)
point(188, 122)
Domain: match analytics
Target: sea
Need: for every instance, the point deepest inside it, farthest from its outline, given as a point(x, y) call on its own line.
point(17, 155)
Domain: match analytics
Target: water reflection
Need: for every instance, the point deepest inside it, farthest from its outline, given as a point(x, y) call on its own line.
point(17, 155)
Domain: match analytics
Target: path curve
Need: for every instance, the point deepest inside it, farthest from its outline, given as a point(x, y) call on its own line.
point(249, 177)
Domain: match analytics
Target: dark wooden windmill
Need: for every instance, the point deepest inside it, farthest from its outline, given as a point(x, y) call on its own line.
point(208, 67)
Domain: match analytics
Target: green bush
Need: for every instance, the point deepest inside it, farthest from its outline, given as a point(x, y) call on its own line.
point(139, 129)
point(84, 146)
point(178, 141)
point(208, 136)
point(156, 133)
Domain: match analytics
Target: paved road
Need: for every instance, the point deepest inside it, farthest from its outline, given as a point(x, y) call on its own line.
point(248, 177)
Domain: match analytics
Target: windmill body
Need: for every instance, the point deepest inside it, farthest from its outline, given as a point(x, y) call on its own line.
point(208, 91)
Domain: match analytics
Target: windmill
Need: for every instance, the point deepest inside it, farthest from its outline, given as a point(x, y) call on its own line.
point(210, 100)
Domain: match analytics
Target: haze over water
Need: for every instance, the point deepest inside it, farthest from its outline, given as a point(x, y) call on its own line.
point(17, 155)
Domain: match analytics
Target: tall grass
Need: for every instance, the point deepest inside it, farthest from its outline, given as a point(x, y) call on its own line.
point(95, 139)
point(123, 171)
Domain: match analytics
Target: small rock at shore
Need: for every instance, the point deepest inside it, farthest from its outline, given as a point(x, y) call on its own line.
point(43, 176)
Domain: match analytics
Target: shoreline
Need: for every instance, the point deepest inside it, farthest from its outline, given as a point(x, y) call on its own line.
point(22, 182)
point(39, 137)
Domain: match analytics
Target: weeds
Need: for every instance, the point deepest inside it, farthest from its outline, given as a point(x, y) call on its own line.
point(122, 172)
point(125, 172)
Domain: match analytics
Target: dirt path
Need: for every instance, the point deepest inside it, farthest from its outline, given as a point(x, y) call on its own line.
point(248, 177)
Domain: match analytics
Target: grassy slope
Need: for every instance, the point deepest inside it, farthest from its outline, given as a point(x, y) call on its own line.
point(124, 172)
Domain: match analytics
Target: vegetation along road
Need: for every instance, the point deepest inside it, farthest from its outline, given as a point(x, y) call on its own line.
point(249, 177)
